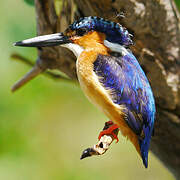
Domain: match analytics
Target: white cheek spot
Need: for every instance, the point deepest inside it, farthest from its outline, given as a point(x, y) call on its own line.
point(116, 47)
point(75, 48)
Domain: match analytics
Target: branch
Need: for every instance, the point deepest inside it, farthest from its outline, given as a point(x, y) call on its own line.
point(35, 71)
point(98, 149)
point(49, 74)
point(48, 22)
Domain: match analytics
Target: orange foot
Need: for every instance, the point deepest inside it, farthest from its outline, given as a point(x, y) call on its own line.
point(109, 130)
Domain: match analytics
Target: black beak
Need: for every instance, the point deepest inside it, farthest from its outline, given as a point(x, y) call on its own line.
point(45, 41)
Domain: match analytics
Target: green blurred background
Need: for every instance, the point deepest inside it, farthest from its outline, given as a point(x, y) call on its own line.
point(46, 125)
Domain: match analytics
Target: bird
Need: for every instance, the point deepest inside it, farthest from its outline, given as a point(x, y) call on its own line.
point(109, 75)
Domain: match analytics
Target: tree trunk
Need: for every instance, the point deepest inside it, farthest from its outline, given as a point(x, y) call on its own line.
point(156, 29)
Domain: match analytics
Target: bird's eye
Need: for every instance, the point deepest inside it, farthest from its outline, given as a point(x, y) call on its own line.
point(81, 32)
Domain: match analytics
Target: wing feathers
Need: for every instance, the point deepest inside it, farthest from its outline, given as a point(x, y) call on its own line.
point(129, 87)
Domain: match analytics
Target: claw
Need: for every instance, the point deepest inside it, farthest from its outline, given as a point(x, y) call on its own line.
point(109, 131)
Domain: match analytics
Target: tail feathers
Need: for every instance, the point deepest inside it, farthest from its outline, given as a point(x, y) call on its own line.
point(144, 149)
point(145, 159)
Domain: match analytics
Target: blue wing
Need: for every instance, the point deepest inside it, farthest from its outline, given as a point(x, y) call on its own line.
point(129, 87)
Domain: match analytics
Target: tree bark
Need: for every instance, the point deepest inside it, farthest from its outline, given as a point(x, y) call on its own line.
point(156, 29)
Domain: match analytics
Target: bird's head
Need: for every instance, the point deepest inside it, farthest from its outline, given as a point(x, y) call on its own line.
point(82, 34)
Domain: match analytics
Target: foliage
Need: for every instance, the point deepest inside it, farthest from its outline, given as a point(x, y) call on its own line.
point(30, 2)
point(178, 3)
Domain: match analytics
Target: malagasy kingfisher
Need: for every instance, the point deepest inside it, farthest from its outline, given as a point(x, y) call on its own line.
point(109, 75)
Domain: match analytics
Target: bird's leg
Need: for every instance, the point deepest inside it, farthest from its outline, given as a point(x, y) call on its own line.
point(109, 129)
point(106, 137)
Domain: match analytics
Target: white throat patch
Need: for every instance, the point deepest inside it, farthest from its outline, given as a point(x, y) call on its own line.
point(116, 47)
point(75, 48)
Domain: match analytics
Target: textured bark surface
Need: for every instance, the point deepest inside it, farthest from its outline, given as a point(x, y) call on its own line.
point(156, 29)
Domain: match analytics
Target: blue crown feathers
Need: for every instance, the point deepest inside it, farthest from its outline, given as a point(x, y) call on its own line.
point(115, 33)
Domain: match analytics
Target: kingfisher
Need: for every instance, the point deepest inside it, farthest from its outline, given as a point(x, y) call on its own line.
point(110, 76)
